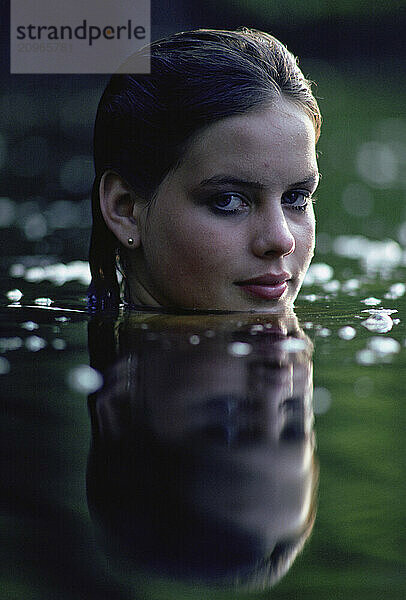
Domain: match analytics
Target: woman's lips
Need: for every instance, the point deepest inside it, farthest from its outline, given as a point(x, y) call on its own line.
point(268, 287)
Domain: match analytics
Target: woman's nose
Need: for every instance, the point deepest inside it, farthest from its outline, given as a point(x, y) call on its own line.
point(273, 236)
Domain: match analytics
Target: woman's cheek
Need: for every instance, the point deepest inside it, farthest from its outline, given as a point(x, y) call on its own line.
point(200, 243)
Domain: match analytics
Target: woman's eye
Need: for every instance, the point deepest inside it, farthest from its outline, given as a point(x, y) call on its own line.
point(298, 199)
point(229, 204)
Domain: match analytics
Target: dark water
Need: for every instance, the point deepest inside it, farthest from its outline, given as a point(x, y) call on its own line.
point(221, 454)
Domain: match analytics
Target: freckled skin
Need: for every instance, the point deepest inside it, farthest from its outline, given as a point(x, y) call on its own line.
point(190, 257)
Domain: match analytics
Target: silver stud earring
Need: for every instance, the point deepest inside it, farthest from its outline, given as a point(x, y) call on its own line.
point(130, 241)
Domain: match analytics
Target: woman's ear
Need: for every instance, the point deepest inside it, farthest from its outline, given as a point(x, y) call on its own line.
point(120, 207)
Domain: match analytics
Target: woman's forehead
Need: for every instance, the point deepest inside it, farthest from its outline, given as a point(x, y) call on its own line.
point(276, 142)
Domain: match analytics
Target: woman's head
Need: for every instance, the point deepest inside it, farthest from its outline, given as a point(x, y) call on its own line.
point(222, 113)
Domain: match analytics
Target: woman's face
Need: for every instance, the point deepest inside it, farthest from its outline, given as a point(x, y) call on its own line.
point(232, 228)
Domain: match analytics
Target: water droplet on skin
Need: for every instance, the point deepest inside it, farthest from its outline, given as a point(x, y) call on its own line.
point(239, 349)
point(34, 343)
point(4, 366)
point(371, 301)
point(84, 379)
point(194, 340)
point(378, 323)
point(321, 400)
point(14, 295)
point(347, 333)
point(30, 325)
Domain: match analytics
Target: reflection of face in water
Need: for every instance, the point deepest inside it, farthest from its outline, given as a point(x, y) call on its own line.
point(202, 461)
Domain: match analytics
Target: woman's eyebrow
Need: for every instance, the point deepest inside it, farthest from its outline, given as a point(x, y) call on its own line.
point(228, 180)
point(312, 179)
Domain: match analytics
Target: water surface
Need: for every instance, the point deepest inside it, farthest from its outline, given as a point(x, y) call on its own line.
point(222, 397)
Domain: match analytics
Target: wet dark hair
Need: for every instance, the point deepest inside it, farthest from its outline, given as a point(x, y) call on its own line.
point(144, 122)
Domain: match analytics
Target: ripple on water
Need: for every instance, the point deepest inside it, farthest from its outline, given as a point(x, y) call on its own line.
point(371, 301)
point(14, 295)
point(43, 301)
point(378, 322)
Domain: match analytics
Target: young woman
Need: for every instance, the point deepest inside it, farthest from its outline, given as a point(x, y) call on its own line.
point(205, 171)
